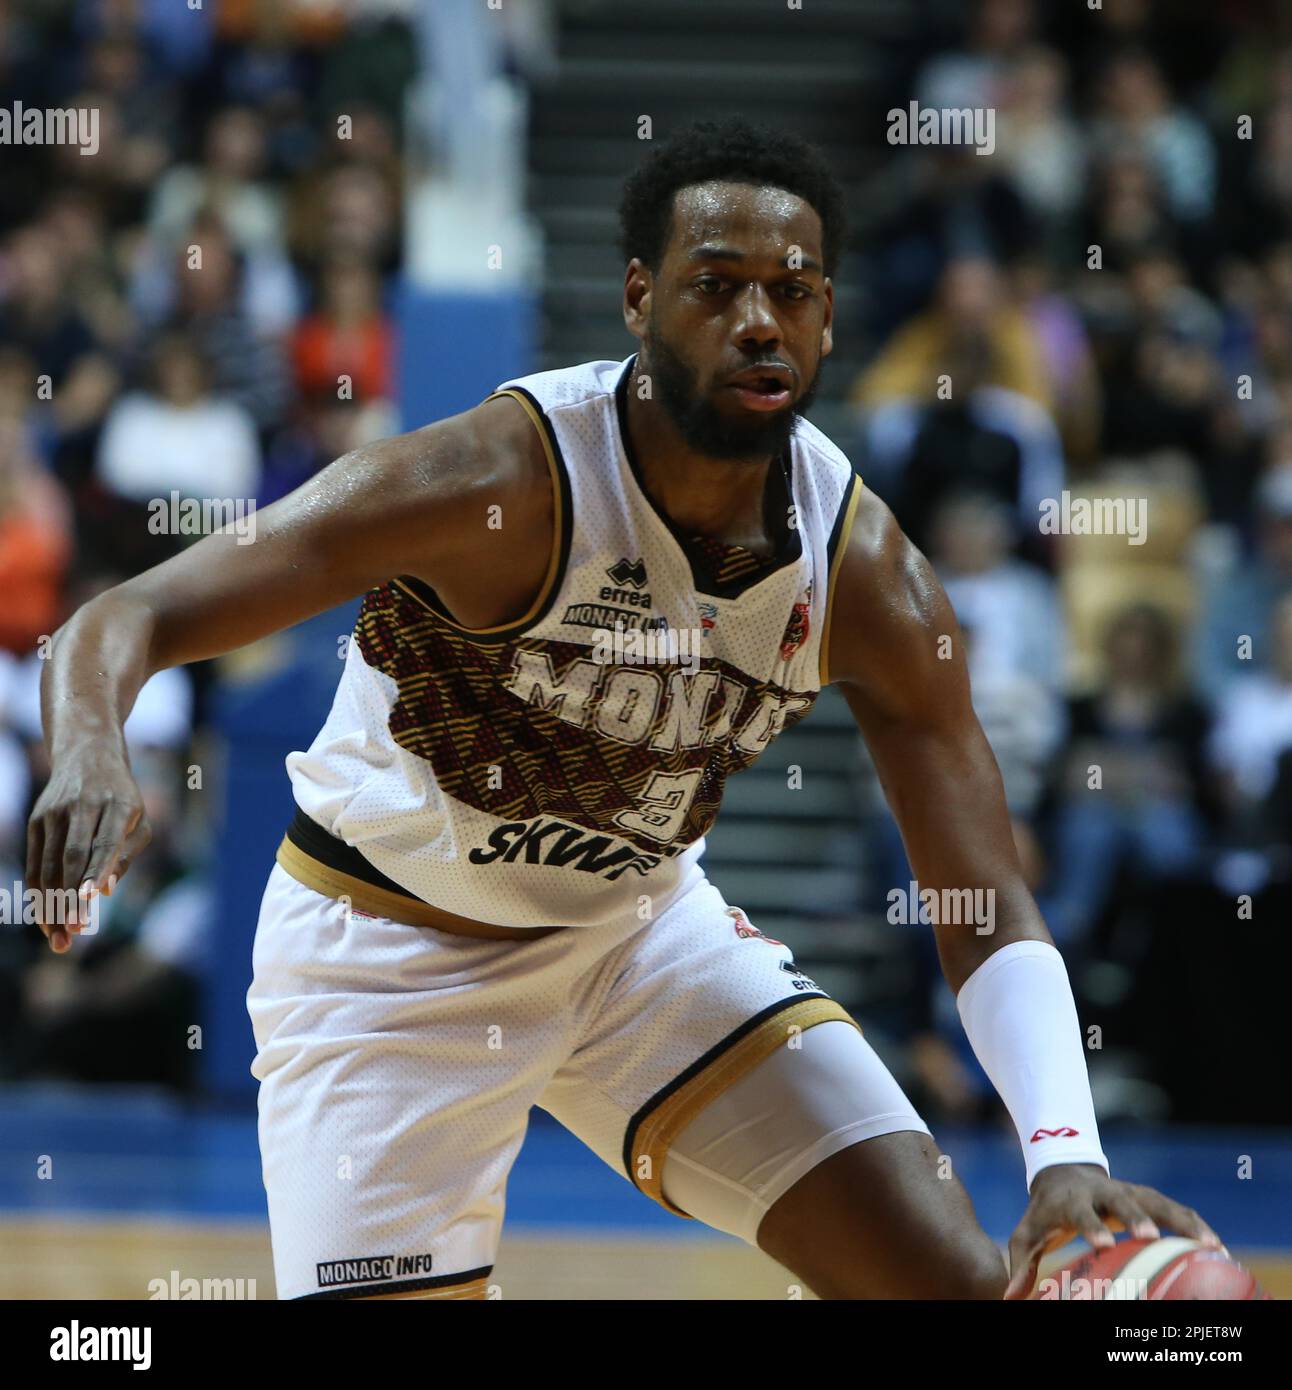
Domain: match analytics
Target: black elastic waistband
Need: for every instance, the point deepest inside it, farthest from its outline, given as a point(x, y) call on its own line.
point(309, 836)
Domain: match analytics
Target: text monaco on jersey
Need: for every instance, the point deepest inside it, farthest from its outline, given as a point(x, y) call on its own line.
point(634, 702)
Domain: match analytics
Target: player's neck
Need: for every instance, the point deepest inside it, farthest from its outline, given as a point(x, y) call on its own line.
point(720, 498)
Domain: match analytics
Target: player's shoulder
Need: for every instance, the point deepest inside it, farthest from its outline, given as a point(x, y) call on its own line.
point(441, 478)
point(828, 466)
point(813, 440)
point(500, 452)
point(565, 388)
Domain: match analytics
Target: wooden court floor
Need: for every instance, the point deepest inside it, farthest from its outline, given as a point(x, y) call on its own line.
point(82, 1259)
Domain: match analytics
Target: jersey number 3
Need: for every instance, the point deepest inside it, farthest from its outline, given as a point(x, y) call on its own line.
point(666, 800)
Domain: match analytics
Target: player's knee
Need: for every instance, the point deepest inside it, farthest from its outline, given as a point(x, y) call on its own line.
point(972, 1269)
point(976, 1270)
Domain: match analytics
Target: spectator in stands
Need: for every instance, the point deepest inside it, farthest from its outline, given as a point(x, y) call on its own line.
point(1160, 339)
point(36, 517)
point(72, 220)
point(261, 284)
point(1266, 201)
point(1161, 300)
point(1135, 113)
point(1010, 606)
point(1234, 633)
point(229, 182)
point(35, 542)
point(1254, 726)
point(951, 206)
point(72, 371)
point(972, 307)
point(323, 428)
point(350, 211)
point(1132, 789)
point(136, 118)
point(249, 366)
point(1040, 144)
point(176, 435)
point(1126, 212)
point(956, 401)
point(978, 73)
point(1066, 356)
point(349, 334)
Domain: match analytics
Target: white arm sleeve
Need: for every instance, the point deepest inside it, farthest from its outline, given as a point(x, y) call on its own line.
point(1021, 1020)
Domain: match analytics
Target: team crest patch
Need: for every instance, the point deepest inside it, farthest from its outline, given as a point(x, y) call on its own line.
point(796, 630)
point(745, 928)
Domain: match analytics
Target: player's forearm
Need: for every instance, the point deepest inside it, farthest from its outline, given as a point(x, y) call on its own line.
point(947, 796)
point(98, 665)
point(1012, 989)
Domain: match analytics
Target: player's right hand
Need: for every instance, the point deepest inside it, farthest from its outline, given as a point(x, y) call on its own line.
point(85, 830)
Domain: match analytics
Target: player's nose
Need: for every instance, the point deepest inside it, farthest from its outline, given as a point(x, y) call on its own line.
point(756, 322)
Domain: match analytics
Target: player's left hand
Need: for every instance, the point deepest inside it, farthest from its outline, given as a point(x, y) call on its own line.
point(1080, 1199)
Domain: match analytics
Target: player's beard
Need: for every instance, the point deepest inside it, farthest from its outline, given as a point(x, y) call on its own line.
point(704, 428)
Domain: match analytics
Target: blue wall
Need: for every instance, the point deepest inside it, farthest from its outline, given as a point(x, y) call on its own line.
point(455, 348)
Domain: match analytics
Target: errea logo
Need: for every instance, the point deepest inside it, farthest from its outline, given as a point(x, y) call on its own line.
point(629, 584)
point(625, 572)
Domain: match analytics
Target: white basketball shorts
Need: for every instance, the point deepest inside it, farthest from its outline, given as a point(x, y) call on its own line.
point(398, 1064)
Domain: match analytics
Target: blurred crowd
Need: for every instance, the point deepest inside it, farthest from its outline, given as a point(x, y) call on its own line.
point(203, 308)
point(1102, 308)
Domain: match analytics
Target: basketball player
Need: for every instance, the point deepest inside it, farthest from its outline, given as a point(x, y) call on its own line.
point(490, 897)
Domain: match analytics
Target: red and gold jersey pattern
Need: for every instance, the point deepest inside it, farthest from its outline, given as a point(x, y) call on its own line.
point(538, 728)
point(539, 772)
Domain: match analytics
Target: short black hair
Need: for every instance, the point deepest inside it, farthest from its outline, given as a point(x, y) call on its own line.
point(732, 151)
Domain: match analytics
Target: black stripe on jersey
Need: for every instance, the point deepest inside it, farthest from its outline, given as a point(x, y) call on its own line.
point(564, 519)
point(716, 1051)
point(320, 844)
point(836, 533)
point(400, 1285)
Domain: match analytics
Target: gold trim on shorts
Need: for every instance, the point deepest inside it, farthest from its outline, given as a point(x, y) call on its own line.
point(474, 1288)
point(656, 1131)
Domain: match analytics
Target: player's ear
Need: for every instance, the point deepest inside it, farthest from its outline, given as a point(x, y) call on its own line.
point(827, 326)
point(638, 283)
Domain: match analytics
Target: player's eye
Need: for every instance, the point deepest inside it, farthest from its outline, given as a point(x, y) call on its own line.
point(709, 284)
point(798, 291)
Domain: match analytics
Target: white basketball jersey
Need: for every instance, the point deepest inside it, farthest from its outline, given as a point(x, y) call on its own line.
point(555, 770)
